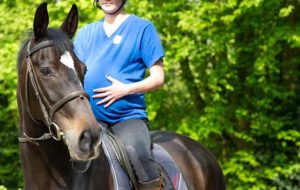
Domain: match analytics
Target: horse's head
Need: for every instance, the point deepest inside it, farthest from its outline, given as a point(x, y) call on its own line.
point(50, 86)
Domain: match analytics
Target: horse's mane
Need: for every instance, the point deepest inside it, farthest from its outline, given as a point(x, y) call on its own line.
point(60, 39)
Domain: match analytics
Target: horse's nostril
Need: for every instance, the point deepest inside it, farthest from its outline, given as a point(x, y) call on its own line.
point(85, 141)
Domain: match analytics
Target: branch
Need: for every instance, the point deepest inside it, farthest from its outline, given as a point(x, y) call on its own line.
point(189, 81)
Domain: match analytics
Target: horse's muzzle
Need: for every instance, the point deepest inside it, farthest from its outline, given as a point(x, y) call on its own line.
point(88, 142)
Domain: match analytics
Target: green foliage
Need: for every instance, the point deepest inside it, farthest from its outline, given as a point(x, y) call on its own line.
point(232, 82)
point(10, 166)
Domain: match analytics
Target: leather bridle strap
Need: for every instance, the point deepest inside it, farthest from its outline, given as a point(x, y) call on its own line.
point(65, 100)
point(39, 46)
point(37, 90)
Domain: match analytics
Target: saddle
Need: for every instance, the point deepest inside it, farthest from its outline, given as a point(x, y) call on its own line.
point(122, 171)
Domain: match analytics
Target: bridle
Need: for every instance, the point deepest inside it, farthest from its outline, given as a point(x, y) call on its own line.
point(48, 110)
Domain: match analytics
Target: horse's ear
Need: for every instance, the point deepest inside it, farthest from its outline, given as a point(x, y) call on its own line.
point(41, 21)
point(71, 22)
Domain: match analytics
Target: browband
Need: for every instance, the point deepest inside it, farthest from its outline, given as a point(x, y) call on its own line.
point(39, 46)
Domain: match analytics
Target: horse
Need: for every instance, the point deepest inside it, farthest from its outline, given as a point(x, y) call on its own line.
point(60, 139)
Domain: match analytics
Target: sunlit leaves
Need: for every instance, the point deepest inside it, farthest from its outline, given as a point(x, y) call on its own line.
point(284, 12)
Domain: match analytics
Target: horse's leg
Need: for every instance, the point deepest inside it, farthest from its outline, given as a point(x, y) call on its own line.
point(198, 166)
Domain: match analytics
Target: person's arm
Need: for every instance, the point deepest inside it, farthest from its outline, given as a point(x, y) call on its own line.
point(118, 89)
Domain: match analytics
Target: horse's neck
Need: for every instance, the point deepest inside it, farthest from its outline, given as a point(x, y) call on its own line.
point(45, 165)
point(97, 177)
point(52, 169)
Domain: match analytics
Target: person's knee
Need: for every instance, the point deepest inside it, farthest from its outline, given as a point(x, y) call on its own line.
point(143, 164)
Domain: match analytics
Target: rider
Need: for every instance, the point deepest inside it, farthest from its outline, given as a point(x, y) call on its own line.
point(117, 51)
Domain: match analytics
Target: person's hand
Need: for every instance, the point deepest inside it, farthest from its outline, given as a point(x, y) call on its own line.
point(111, 93)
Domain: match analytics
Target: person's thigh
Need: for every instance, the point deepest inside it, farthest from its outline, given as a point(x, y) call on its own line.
point(134, 133)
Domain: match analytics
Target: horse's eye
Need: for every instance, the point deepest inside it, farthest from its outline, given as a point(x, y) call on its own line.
point(45, 71)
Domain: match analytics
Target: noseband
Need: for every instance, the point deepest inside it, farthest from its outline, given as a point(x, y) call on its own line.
point(47, 109)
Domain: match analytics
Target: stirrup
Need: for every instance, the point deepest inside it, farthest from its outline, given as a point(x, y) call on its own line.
point(156, 184)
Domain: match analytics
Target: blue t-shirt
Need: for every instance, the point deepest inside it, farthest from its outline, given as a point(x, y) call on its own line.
point(125, 55)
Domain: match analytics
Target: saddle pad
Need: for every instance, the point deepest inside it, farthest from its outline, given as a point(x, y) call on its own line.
point(161, 156)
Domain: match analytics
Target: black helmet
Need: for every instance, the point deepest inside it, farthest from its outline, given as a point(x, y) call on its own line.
point(96, 4)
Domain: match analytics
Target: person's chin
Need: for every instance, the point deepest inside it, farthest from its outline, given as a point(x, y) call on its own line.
point(108, 8)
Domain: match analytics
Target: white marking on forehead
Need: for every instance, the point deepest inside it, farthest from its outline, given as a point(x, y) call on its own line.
point(67, 60)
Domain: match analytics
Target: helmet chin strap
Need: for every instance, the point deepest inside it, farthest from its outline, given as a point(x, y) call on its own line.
point(96, 4)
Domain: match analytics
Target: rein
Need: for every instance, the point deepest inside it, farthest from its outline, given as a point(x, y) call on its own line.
point(54, 131)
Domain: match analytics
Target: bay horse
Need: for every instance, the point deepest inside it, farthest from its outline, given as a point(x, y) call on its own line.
point(60, 139)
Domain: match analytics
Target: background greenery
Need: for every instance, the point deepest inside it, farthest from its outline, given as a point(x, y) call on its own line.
point(232, 82)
